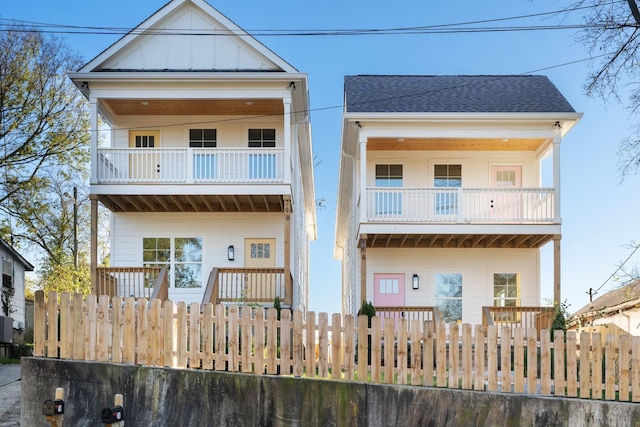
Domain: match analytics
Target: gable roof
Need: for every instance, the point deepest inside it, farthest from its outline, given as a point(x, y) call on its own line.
point(27, 265)
point(453, 94)
point(198, 37)
point(626, 296)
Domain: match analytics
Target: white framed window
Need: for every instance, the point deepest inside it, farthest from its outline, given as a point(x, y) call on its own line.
point(262, 138)
point(183, 256)
point(447, 176)
point(388, 201)
point(448, 295)
point(7, 274)
point(203, 138)
point(506, 289)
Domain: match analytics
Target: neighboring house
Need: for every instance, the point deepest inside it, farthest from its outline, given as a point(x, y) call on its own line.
point(616, 312)
point(442, 199)
point(206, 165)
point(13, 268)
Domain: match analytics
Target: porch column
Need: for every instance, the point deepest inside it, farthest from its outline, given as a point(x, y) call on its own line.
point(287, 140)
point(288, 283)
point(556, 175)
point(556, 269)
point(93, 103)
point(362, 244)
point(94, 242)
point(363, 179)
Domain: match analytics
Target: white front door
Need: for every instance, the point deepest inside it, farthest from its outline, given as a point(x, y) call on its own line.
point(506, 201)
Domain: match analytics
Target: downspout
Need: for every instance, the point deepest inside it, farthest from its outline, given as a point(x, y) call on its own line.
point(297, 123)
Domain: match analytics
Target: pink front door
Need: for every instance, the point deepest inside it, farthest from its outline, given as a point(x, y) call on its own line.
point(388, 290)
point(506, 201)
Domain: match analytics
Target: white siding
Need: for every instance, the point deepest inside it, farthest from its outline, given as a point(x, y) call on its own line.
point(17, 302)
point(418, 166)
point(231, 132)
point(217, 230)
point(476, 265)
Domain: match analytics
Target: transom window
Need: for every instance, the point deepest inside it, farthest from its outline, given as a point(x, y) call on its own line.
point(448, 295)
point(202, 137)
point(262, 138)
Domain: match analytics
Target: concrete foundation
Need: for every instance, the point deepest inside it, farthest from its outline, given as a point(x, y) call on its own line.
point(171, 397)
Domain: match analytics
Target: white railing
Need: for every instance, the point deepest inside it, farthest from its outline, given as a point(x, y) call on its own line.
point(460, 205)
point(190, 165)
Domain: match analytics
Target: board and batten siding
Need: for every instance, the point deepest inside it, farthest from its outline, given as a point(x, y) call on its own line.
point(174, 133)
point(476, 265)
point(418, 171)
point(217, 230)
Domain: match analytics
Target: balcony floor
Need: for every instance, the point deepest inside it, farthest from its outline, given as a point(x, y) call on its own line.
point(192, 203)
point(493, 241)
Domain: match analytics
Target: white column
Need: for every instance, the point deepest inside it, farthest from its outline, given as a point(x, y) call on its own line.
point(287, 140)
point(363, 178)
point(556, 176)
point(93, 102)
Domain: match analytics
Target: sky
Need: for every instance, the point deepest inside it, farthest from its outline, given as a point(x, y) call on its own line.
point(599, 212)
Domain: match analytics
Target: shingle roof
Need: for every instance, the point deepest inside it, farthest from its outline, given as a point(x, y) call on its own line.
point(614, 298)
point(453, 94)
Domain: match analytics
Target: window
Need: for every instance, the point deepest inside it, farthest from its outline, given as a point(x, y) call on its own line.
point(388, 201)
point(389, 286)
point(262, 138)
point(260, 250)
point(447, 176)
point(506, 289)
point(448, 295)
point(7, 274)
point(202, 138)
point(183, 256)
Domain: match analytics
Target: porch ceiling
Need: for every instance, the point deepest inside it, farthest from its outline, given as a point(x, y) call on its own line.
point(192, 203)
point(456, 144)
point(493, 241)
point(170, 107)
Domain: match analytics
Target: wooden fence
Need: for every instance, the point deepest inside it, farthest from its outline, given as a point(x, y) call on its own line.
point(253, 340)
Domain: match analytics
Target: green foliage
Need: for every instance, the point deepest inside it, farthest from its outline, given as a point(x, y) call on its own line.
point(64, 277)
point(6, 301)
point(560, 318)
point(277, 304)
point(367, 309)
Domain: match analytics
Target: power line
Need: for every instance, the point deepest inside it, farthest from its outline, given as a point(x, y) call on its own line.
point(591, 292)
point(450, 28)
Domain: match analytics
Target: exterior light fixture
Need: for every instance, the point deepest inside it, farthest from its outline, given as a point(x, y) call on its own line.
point(230, 253)
point(415, 281)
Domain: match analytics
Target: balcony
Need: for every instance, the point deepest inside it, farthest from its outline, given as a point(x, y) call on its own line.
point(190, 166)
point(461, 205)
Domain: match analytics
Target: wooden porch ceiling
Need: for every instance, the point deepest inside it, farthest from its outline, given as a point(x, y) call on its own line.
point(492, 241)
point(155, 107)
point(192, 203)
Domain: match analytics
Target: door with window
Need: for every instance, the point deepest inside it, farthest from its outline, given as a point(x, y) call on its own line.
point(388, 291)
point(447, 179)
point(263, 283)
point(506, 201)
point(388, 196)
point(144, 161)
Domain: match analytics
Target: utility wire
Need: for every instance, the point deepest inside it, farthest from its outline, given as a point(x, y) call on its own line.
point(591, 292)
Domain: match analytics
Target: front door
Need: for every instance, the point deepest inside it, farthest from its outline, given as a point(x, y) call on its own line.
point(506, 201)
point(263, 284)
point(388, 290)
point(144, 163)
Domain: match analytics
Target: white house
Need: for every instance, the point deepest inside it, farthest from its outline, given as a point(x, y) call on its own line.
point(448, 188)
point(206, 165)
point(14, 267)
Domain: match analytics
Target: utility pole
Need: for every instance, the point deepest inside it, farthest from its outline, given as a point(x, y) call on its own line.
point(75, 227)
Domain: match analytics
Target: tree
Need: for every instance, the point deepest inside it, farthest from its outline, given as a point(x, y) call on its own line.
point(44, 149)
point(612, 28)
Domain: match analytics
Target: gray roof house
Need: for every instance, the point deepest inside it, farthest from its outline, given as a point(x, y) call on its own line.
point(441, 207)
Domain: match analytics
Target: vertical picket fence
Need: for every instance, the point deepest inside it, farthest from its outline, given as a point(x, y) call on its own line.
point(253, 340)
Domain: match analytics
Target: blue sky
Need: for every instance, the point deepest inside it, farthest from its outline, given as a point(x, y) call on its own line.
point(599, 213)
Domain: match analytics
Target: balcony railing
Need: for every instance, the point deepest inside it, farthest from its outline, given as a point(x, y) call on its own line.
point(527, 318)
point(460, 205)
point(137, 282)
point(247, 286)
point(190, 165)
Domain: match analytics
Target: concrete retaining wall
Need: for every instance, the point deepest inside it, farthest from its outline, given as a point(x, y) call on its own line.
point(170, 397)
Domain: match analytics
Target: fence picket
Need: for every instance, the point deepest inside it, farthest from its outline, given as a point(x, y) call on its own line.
point(168, 337)
point(272, 344)
point(610, 368)
point(624, 368)
point(310, 362)
point(66, 327)
point(559, 361)
point(635, 369)
point(532, 361)
point(155, 328)
point(245, 342)
point(492, 358)
point(116, 329)
point(454, 355)
point(144, 344)
point(403, 340)
point(259, 362)
point(195, 354)
point(323, 339)
point(220, 337)
point(232, 340)
point(585, 365)
point(467, 357)
point(596, 357)
point(349, 347)
point(336, 346)
point(285, 342)
point(416, 354)
point(478, 381)
point(129, 331)
point(505, 358)
point(181, 336)
point(389, 362)
point(39, 325)
point(78, 351)
point(103, 328)
point(441, 355)
point(52, 330)
point(572, 364)
point(376, 347)
point(545, 362)
point(518, 360)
